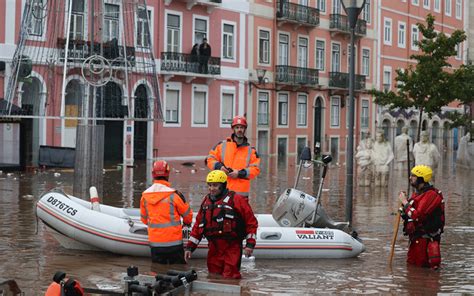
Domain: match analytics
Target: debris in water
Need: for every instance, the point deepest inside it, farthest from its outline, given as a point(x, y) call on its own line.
point(306, 178)
point(9, 174)
point(325, 189)
point(57, 174)
point(188, 163)
point(193, 171)
point(27, 196)
point(177, 171)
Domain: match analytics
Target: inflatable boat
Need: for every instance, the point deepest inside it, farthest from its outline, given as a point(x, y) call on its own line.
point(80, 224)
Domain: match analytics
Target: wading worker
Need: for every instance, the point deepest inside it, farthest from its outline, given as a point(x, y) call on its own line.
point(225, 219)
point(236, 158)
point(423, 215)
point(161, 208)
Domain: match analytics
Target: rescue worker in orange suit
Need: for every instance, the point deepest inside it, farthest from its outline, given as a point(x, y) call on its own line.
point(225, 219)
point(162, 208)
point(236, 158)
point(423, 215)
point(64, 287)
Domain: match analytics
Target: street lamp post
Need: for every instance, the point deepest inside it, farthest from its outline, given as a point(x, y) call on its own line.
point(352, 9)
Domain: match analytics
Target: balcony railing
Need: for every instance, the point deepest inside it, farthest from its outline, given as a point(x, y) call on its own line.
point(296, 76)
point(296, 13)
point(79, 50)
point(182, 62)
point(339, 22)
point(341, 80)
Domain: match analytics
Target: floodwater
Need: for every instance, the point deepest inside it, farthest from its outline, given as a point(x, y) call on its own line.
point(30, 254)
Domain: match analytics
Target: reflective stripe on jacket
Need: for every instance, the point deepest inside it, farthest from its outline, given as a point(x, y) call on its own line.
point(161, 208)
point(236, 157)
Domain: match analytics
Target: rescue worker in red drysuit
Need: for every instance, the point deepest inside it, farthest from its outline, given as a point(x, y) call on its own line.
point(162, 208)
point(236, 158)
point(67, 287)
point(225, 219)
point(423, 215)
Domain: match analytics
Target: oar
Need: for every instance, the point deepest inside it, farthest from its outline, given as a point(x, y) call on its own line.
point(397, 219)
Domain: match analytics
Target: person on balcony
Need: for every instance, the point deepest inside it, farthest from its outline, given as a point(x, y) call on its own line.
point(204, 55)
point(194, 58)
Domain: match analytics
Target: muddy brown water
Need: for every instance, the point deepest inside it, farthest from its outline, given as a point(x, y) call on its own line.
point(30, 254)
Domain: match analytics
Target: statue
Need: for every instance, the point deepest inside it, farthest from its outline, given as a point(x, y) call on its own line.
point(464, 157)
point(364, 157)
point(382, 157)
point(426, 153)
point(401, 157)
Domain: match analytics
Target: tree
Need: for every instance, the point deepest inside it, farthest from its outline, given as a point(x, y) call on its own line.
point(427, 85)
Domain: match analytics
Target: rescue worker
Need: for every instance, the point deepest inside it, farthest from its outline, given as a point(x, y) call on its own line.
point(236, 158)
point(62, 286)
point(423, 215)
point(161, 208)
point(225, 219)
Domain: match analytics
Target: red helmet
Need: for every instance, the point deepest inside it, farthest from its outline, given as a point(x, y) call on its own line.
point(160, 169)
point(239, 120)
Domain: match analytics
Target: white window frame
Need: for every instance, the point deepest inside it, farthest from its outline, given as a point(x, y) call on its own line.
point(119, 20)
point(415, 2)
point(366, 12)
point(151, 11)
point(174, 86)
point(367, 75)
point(458, 9)
point(414, 28)
point(287, 109)
point(448, 7)
point(85, 24)
point(349, 56)
point(400, 32)
point(299, 137)
point(203, 18)
point(287, 144)
point(437, 5)
point(234, 41)
point(332, 121)
point(165, 26)
point(231, 91)
point(204, 89)
point(387, 31)
point(288, 46)
point(387, 69)
point(44, 25)
point(323, 69)
point(269, 41)
point(458, 49)
point(321, 5)
point(298, 124)
point(426, 4)
point(332, 57)
point(299, 57)
point(362, 127)
point(267, 93)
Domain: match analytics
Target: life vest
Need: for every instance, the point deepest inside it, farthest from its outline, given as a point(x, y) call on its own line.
point(69, 288)
point(220, 220)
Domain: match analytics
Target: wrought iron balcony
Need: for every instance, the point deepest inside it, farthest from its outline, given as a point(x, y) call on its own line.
point(296, 13)
point(297, 76)
point(340, 23)
point(341, 80)
point(187, 63)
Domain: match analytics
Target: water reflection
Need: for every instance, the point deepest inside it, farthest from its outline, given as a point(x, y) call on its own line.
point(32, 258)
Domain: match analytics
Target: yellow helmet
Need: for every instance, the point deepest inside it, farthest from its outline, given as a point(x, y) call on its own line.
point(216, 176)
point(422, 171)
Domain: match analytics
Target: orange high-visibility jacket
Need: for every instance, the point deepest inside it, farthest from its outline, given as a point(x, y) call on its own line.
point(161, 208)
point(242, 158)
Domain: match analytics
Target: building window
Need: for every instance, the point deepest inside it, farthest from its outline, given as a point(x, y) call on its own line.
point(200, 30)
point(458, 9)
point(111, 22)
point(262, 108)
point(335, 111)
point(387, 37)
point(365, 61)
point(301, 117)
point(458, 49)
point(303, 52)
point(264, 47)
point(76, 30)
point(283, 49)
point(227, 108)
point(320, 54)
point(447, 7)
point(282, 109)
point(414, 37)
point(143, 33)
point(402, 29)
point(349, 51)
point(199, 107)
point(387, 79)
point(172, 106)
point(415, 2)
point(228, 42)
point(366, 12)
point(173, 31)
point(437, 5)
point(336, 57)
point(336, 6)
point(322, 6)
point(426, 4)
point(36, 25)
point(364, 114)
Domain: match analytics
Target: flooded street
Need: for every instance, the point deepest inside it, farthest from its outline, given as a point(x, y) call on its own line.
point(30, 254)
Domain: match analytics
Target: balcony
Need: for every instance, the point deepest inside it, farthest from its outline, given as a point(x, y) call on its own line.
point(176, 63)
point(300, 15)
point(210, 4)
point(339, 23)
point(340, 80)
point(296, 76)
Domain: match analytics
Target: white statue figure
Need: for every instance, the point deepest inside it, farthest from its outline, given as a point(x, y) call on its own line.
point(426, 153)
point(464, 159)
point(401, 157)
point(364, 157)
point(382, 156)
